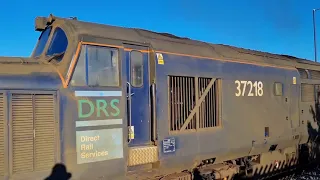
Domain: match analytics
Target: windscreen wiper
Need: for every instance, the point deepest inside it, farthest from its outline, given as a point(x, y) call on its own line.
point(55, 55)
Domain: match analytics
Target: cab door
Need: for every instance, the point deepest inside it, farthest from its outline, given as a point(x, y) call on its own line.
point(138, 94)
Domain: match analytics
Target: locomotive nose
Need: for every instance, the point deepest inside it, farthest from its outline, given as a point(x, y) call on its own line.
point(15, 60)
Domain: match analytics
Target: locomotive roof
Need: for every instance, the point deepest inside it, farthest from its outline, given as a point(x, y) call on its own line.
point(170, 43)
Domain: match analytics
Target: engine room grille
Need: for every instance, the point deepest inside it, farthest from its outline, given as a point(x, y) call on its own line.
point(182, 101)
point(314, 74)
point(307, 93)
point(303, 73)
point(183, 92)
point(208, 107)
point(33, 132)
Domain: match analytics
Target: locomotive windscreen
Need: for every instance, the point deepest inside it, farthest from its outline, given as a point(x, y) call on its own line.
point(58, 44)
point(42, 42)
point(57, 47)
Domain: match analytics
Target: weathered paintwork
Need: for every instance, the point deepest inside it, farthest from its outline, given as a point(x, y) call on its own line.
point(71, 115)
point(244, 118)
point(42, 81)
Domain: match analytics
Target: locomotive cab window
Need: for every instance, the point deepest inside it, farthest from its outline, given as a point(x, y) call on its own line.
point(96, 66)
point(278, 89)
point(136, 65)
point(42, 42)
point(58, 45)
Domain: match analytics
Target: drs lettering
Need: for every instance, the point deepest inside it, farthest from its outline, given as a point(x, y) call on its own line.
point(98, 108)
point(249, 88)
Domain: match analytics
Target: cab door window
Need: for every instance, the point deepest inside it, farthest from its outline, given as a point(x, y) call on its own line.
point(136, 65)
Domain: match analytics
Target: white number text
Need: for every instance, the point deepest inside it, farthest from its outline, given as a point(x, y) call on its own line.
point(249, 88)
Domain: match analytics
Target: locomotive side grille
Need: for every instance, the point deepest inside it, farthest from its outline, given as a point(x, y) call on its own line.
point(2, 125)
point(315, 74)
point(44, 123)
point(33, 132)
point(307, 93)
point(182, 101)
point(209, 107)
point(303, 73)
point(184, 113)
point(22, 133)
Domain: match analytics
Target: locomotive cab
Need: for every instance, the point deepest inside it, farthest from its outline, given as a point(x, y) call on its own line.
point(106, 94)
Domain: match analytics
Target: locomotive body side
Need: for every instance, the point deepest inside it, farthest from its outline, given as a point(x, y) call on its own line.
point(248, 121)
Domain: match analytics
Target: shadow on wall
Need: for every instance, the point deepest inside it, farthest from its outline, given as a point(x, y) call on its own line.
point(59, 172)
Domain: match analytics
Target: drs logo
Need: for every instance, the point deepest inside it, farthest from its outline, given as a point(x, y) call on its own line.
point(98, 108)
point(249, 88)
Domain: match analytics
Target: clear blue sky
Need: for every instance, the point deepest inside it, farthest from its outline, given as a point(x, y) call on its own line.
point(276, 26)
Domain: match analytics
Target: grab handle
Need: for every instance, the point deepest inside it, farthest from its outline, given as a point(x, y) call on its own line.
point(129, 109)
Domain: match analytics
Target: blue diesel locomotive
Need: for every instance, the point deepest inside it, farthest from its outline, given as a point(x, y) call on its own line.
point(123, 103)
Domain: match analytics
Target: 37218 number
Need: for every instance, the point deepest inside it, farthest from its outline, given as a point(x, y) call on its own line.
point(249, 88)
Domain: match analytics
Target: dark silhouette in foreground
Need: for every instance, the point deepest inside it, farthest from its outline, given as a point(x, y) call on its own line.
point(59, 172)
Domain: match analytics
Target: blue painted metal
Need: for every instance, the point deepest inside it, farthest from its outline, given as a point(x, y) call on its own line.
point(140, 110)
point(237, 112)
point(71, 123)
point(39, 81)
point(175, 149)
